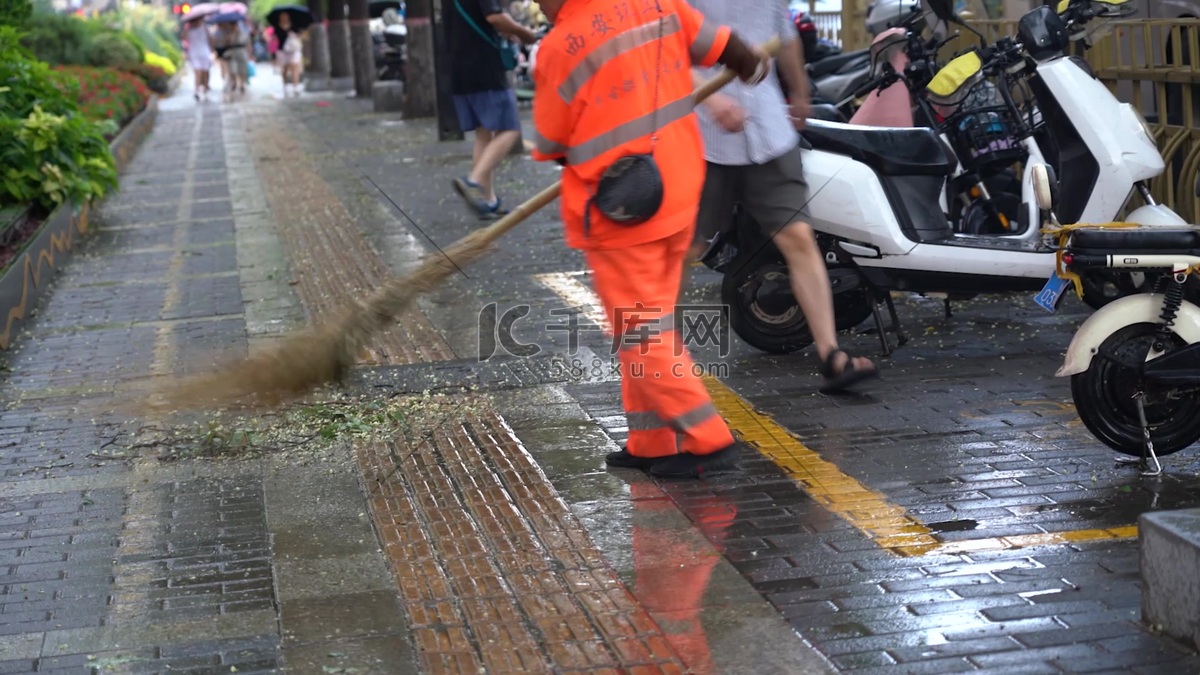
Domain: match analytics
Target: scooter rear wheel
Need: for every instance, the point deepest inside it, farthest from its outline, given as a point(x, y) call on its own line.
point(764, 313)
point(1103, 396)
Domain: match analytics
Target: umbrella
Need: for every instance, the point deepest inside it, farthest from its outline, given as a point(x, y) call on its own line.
point(301, 17)
point(200, 11)
point(234, 7)
point(226, 17)
point(378, 7)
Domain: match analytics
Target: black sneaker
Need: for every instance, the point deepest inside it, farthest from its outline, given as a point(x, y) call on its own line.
point(624, 460)
point(697, 466)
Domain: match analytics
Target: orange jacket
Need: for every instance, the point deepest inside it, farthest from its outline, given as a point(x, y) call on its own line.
point(595, 92)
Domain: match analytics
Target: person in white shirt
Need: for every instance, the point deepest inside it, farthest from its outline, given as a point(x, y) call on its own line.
point(199, 55)
point(753, 155)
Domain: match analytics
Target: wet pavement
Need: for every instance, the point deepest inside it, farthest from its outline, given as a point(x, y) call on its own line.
point(955, 518)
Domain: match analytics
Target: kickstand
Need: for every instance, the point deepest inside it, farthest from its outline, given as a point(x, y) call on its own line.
point(901, 338)
point(1148, 455)
point(879, 327)
point(900, 334)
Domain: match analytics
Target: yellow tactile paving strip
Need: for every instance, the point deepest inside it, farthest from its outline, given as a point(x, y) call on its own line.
point(888, 525)
point(494, 571)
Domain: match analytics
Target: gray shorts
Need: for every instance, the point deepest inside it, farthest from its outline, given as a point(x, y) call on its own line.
point(774, 195)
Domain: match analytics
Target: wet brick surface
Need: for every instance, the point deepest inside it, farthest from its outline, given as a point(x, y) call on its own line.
point(77, 565)
point(968, 434)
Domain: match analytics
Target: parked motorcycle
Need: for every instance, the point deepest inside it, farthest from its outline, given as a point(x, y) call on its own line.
point(878, 198)
point(984, 190)
point(390, 51)
point(1135, 363)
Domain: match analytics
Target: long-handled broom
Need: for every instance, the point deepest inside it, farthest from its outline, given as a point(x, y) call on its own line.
point(326, 352)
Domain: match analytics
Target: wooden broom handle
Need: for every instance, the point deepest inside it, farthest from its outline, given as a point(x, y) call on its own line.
point(541, 199)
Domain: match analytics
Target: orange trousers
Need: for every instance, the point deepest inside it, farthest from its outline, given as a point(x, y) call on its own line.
point(667, 407)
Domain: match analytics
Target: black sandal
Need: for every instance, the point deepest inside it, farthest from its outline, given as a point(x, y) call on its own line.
point(850, 374)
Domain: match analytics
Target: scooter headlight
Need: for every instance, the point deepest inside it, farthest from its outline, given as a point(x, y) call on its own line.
point(1146, 129)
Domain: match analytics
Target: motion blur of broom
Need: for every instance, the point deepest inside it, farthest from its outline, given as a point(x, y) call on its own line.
point(326, 352)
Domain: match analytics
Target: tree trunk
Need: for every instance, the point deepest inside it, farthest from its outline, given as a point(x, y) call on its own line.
point(447, 116)
point(339, 40)
point(361, 48)
point(318, 41)
point(421, 70)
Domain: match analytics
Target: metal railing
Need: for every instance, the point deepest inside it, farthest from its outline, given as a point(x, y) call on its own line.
point(1145, 62)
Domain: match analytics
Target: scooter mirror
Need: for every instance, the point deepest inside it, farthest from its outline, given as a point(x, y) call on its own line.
point(943, 9)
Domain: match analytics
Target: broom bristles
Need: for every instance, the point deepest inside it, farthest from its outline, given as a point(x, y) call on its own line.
point(324, 353)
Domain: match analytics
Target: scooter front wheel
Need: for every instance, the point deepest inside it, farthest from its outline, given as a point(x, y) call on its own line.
point(1104, 397)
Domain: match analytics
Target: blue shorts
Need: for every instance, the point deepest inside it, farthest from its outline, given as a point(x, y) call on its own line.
point(494, 110)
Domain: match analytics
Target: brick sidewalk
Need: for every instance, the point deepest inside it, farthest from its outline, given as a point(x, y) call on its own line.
point(956, 520)
point(225, 237)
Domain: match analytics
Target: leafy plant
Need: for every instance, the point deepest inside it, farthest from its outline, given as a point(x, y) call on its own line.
point(53, 158)
point(113, 50)
point(155, 77)
point(49, 152)
point(60, 39)
point(30, 82)
point(107, 94)
point(162, 63)
point(15, 12)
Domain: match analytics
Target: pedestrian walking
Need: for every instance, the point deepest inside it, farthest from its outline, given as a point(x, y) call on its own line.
point(291, 54)
point(753, 157)
point(484, 99)
point(199, 55)
point(230, 42)
point(613, 104)
point(272, 47)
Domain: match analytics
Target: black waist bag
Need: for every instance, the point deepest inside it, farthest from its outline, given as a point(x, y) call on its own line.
point(630, 192)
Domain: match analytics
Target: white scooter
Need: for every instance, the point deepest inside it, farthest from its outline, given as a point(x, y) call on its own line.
point(1135, 363)
point(877, 197)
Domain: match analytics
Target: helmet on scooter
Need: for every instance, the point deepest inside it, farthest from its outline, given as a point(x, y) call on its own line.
point(885, 14)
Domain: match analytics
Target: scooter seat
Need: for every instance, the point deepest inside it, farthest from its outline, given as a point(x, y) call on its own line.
point(891, 151)
point(831, 64)
point(1136, 240)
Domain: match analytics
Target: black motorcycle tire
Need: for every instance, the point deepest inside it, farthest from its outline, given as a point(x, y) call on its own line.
point(771, 329)
point(1103, 396)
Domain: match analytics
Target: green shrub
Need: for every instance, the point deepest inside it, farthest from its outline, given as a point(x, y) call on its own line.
point(30, 82)
point(15, 12)
point(49, 151)
point(113, 50)
point(59, 39)
point(49, 159)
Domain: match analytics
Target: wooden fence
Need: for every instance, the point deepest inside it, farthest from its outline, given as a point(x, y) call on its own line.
point(829, 25)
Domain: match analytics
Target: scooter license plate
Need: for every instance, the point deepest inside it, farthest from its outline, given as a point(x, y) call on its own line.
point(1050, 294)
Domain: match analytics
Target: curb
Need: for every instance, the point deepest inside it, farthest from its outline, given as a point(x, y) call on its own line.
point(29, 276)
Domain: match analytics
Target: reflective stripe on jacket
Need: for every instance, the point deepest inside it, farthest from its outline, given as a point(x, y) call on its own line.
point(595, 101)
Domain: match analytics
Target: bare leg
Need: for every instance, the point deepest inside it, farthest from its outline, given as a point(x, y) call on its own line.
point(489, 157)
point(810, 285)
